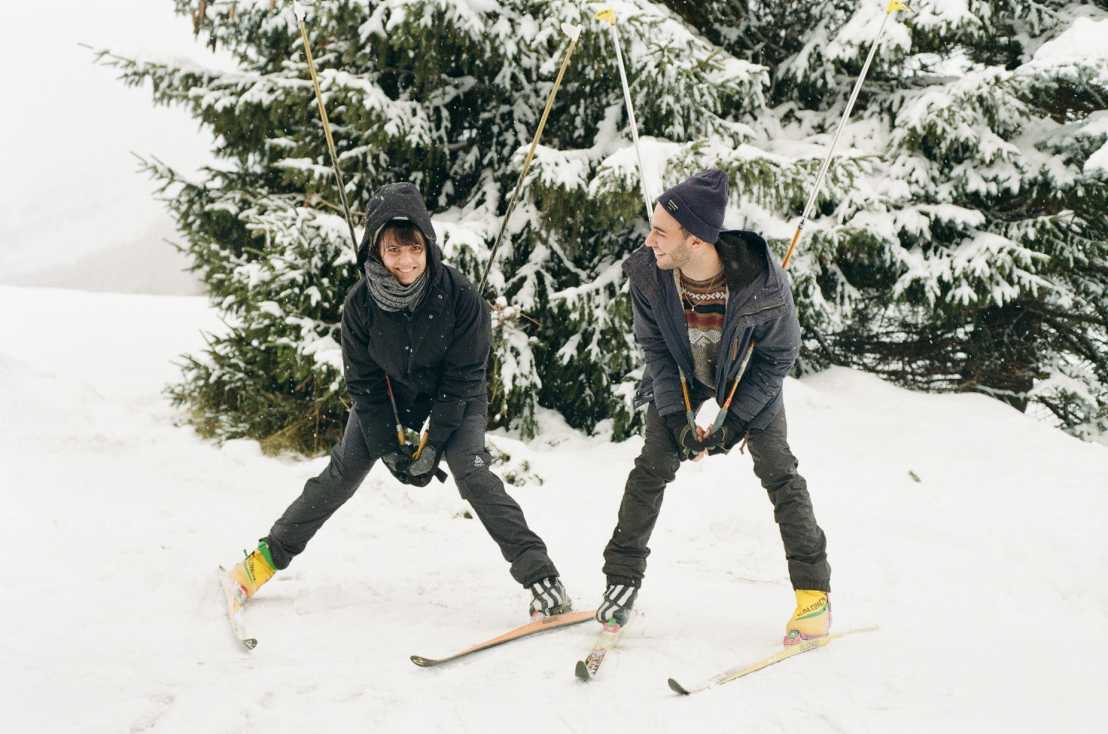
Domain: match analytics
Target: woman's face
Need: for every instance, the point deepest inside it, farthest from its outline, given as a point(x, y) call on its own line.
point(405, 260)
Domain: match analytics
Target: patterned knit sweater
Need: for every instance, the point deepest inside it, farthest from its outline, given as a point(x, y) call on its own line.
point(705, 303)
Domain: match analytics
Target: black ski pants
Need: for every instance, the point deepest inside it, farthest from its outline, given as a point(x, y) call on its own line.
point(774, 464)
point(469, 462)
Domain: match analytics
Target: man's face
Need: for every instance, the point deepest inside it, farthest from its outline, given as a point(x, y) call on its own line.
point(406, 261)
point(670, 244)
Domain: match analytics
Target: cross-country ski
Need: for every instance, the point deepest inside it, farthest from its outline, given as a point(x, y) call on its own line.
point(783, 654)
point(544, 624)
point(606, 640)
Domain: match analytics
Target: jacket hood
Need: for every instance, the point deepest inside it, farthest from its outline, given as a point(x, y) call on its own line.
point(403, 201)
point(746, 258)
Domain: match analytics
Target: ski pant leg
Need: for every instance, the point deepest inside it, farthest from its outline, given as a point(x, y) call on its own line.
point(469, 461)
point(322, 495)
point(656, 466)
point(805, 543)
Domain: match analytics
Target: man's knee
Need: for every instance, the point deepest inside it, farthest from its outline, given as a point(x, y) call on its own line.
point(654, 470)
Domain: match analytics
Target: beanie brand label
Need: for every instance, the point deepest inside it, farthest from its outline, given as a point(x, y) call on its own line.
point(671, 205)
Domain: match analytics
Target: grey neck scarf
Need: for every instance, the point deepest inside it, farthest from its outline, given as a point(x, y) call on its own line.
point(388, 292)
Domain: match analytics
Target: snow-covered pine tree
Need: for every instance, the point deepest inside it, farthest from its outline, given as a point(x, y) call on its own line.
point(960, 241)
point(445, 93)
point(970, 250)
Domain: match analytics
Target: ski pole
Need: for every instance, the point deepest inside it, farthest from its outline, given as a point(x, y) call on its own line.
point(609, 16)
point(892, 7)
point(400, 437)
point(300, 15)
point(574, 33)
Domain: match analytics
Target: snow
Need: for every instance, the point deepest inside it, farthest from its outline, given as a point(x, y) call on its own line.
point(75, 212)
point(623, 165)
point(939, 14)
point(858, 34)
point(986, 575)
point(1084, 41)
point(1098, 161)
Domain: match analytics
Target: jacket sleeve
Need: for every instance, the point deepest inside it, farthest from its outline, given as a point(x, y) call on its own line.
point(660, 364)
point(365, 381)
point(777, 344)
point(463, 375)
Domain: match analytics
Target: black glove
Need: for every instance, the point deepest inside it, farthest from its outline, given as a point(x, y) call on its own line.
point(729, 434)
point(688, 446)
point(421, 470)
point(399, 463)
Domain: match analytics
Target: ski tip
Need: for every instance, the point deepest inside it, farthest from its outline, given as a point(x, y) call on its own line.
point(582, 671)
point(423, 662)
point(677, 688)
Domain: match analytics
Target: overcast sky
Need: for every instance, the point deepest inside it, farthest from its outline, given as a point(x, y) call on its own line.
point(73, 204)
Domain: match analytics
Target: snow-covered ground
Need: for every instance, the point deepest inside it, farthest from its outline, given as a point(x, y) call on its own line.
point(986, 576)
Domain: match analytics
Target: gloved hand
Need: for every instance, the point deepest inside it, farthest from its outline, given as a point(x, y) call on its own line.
point(729, 434)
point(421, 470)
point(398, 462)
point(689, 445)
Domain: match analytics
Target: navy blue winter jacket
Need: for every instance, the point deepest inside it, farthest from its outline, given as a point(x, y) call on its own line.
point(759, 307)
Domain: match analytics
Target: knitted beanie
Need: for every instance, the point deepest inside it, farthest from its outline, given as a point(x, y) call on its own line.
point(698, 203)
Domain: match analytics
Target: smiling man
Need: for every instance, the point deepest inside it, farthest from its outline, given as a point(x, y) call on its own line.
point(701, 296)
point(416, 328)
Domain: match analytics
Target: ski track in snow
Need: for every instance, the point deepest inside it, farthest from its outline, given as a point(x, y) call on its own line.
point(986, 576)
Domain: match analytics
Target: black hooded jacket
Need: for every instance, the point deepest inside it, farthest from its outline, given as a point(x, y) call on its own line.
point(759, 307)
point(436, 355)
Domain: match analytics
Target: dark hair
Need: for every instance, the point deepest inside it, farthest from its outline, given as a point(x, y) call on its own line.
point(403, 232)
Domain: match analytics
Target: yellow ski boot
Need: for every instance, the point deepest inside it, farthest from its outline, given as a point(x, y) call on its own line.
point(812, 618)
point(253, 571)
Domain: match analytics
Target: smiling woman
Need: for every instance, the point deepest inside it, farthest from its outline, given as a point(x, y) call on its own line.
point(403, 251)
